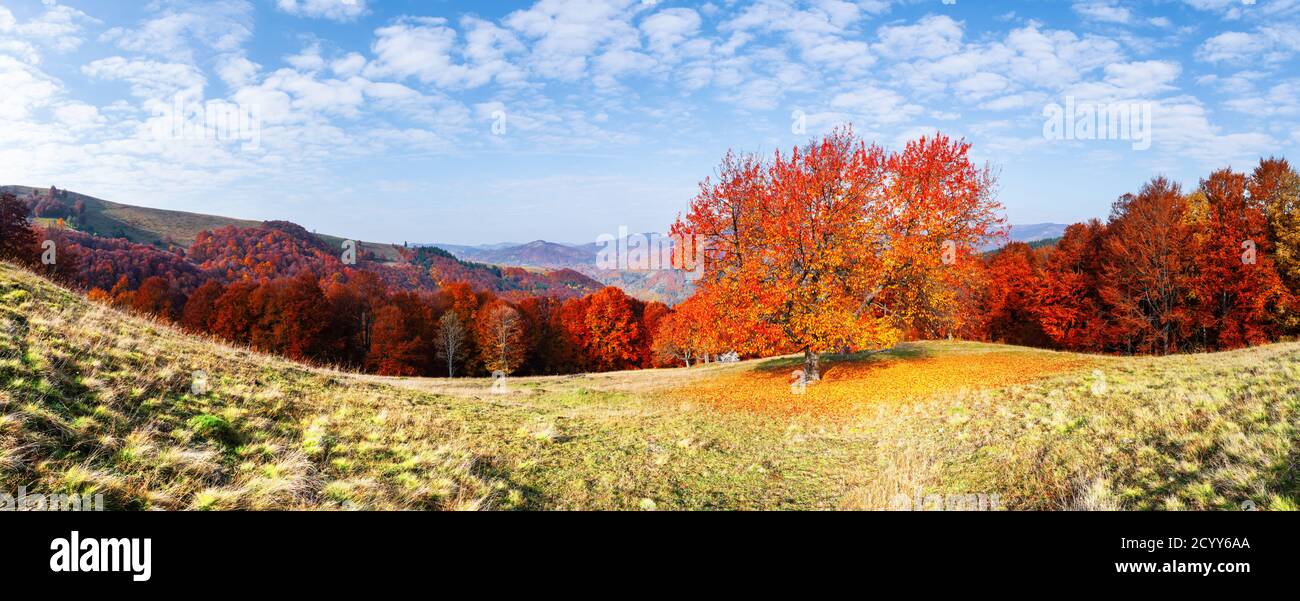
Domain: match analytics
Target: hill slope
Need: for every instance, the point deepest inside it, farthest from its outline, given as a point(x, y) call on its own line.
point(95, 401)
point(122, 240)
point(143, 225)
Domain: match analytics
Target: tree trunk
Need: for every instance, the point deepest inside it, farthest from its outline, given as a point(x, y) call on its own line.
point(811, 368)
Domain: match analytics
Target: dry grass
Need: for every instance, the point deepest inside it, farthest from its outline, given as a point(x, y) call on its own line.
point(852, 387)
point(97, 402)
point(94, 401)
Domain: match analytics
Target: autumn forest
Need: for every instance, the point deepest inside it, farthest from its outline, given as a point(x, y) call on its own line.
point(839, 246)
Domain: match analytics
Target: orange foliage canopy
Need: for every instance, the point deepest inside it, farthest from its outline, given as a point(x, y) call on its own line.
point(614, 336)
point(840, 245)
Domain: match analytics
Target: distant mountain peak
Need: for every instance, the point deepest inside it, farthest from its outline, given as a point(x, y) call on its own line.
point(1033, 232)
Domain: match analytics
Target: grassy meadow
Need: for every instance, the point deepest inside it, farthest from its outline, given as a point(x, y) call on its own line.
point(94, 401)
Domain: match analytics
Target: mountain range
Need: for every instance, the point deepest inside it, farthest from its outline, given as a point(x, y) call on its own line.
point(664, 286)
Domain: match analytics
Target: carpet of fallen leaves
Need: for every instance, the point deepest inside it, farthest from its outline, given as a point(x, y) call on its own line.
point(854, 387)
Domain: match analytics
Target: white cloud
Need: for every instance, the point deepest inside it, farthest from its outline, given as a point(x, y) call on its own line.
point(25, 88)
point(1231, 46)
point(151, 80)
point(236, 70)
point(1015, 101)
point(336, 10)
point(1054, 59)
point(311, 96)
point(428, 49)
point(820, 32)
point(352, 64)
point(876, 105)
point(567, 35)
point(1103, 10)
point(307, 60)
point(668, 29)
point(931, 37)
point(58, 28)
point(1270, 44)
point(1027, 57)
point(981, 85)
point(1143, 78)
point(1282, 99)
point(1233, 10)
point(1183, 125)
point(21, 50)
point(223, 25)
point(78, 115)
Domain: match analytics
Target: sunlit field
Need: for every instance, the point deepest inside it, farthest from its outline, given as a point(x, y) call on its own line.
point(99, 402)
point(857, 385)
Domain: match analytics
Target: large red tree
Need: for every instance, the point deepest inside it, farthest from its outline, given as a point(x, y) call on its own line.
point(840, 245)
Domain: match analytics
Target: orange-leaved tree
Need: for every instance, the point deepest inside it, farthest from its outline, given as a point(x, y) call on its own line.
point(1015, 276)
point(683, 335)
point(1275, 186)
point(501, 337)
point(614, 337)
point(1240, 297)
point(1067, 302)
point(838, 245)
point(1146, 269)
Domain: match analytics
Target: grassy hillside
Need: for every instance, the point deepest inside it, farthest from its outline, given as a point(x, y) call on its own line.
point(94, 401)
point(144, 225)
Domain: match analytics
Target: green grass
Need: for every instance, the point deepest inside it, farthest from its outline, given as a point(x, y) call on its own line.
point(95, 401)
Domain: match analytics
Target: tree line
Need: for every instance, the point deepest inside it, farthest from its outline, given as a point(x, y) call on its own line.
point(841, 246)
point(1170, 271)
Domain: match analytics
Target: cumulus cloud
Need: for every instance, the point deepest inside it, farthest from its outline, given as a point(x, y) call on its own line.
point(1105, 11)
point(1270, 43)
point(236, 70)
point(336, 10)
point(566, 35)
point(931, 37)
point(58, 28)
point(1281, 99)
point(221, 25)
point(669, 29)
point(26, 88)
point(876, 105)
point(430, 50)
point(1232, 46)
point(149, 79)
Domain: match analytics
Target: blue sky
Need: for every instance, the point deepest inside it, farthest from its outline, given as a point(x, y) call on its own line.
point(475, 122)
